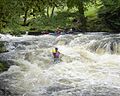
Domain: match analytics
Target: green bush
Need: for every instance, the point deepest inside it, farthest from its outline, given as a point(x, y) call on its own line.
point(110, 14)
point(95, 25)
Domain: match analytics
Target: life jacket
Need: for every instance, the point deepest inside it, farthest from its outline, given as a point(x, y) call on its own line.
point(57, 54)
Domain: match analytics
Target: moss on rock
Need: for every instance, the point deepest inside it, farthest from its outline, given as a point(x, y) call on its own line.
point(2, 47)
point(3, 66)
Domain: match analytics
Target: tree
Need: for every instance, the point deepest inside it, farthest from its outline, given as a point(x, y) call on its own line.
point(109, 13)
point(80, 5)
point(9, 12)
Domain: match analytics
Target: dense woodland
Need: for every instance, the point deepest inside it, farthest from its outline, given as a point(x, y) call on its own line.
point(18, 16)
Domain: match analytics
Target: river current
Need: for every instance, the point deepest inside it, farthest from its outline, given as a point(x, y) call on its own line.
point(90, 65)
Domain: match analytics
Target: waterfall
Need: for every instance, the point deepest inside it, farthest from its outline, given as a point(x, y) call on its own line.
point(89, 66)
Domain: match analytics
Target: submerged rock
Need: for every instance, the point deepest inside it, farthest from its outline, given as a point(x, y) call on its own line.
point(108, 45)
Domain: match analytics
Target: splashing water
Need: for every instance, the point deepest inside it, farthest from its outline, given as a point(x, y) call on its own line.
point(90, 66)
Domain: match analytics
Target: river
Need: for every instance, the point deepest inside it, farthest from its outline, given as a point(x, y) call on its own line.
point(90, 65)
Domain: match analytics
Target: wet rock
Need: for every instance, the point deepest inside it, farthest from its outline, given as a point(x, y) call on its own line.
point(57, 88)
point(108, 45)
point(5, 85)
point(64, 39)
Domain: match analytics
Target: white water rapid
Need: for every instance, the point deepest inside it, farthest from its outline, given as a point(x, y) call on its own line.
point(90, 65)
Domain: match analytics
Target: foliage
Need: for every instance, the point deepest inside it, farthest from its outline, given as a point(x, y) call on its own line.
point(81, 6)
point(21, 15)
point(110, 14)
point(62, 19)
point(95, 25)
point(9, 10)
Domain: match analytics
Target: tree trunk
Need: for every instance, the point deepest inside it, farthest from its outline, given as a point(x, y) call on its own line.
point(48, 12)
point(25, 17)
point(52, 11)
point(0, 25)
point(82, 23)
